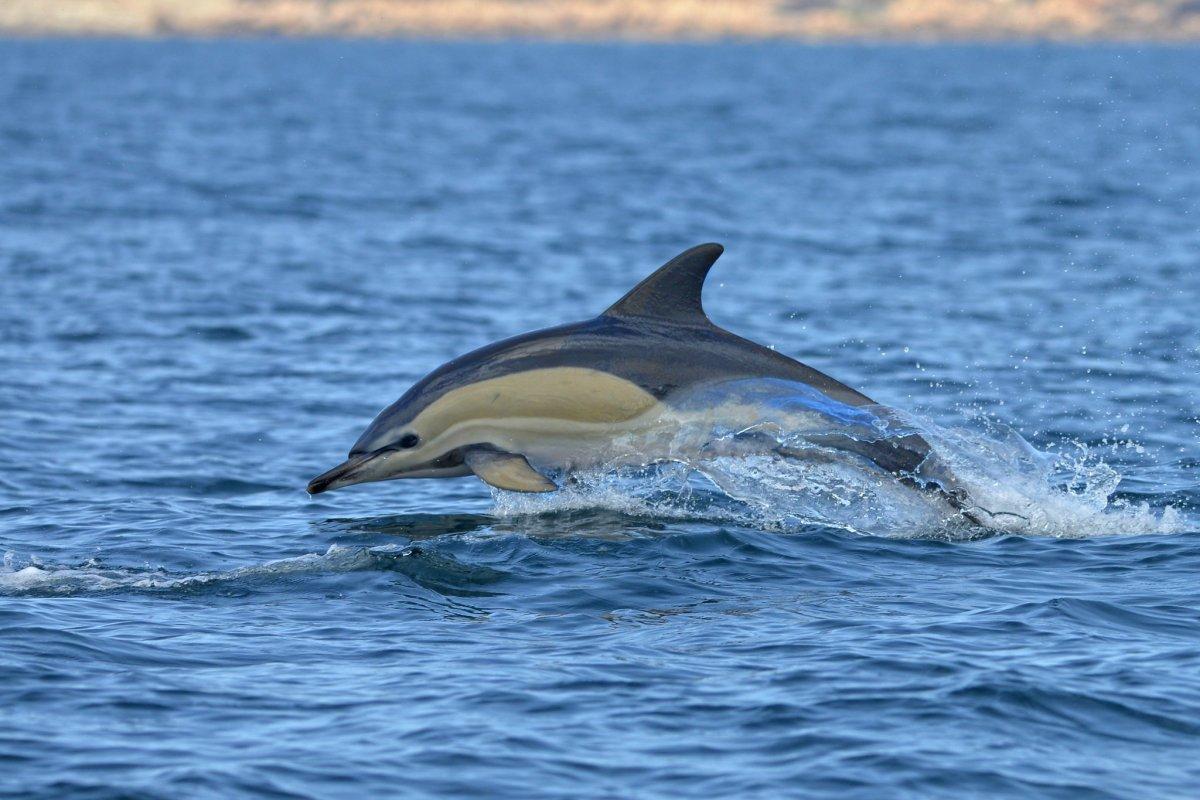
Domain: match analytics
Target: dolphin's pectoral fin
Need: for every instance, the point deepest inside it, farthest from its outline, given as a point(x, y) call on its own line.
point(506, 470)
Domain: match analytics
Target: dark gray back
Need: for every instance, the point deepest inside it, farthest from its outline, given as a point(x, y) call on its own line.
point(657, 337)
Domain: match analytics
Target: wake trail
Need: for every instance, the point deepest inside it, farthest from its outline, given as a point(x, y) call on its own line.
point(93, 577)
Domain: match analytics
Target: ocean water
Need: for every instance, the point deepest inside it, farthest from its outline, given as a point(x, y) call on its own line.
point(220, 259)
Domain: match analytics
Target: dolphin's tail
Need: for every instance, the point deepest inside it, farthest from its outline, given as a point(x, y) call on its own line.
point(935, 473)
point(912, 460)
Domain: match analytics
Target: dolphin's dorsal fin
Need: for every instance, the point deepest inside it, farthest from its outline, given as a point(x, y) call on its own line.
point(673, 291)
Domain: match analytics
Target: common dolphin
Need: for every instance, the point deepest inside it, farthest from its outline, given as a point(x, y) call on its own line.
point(648, 380)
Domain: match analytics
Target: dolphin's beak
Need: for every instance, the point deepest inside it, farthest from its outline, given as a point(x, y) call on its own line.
point(341, 475)
point(381, 466)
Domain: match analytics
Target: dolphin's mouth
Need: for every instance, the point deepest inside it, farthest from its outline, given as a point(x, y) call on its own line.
point(341, 475)
point(371, 467)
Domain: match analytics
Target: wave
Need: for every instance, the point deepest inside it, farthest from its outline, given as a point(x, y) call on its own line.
point(93, 577)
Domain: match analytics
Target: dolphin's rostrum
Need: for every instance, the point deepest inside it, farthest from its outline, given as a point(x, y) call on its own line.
point(647, 380)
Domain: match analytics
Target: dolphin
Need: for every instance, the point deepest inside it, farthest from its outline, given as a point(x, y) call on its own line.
point(648, 380)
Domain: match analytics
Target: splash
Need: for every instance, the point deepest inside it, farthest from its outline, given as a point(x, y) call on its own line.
point(1066, 493)
point(744, 479)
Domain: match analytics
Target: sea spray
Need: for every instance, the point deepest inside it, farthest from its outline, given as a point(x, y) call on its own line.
point(1066, 493)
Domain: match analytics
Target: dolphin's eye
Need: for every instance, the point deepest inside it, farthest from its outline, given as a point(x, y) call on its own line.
point(408, 440)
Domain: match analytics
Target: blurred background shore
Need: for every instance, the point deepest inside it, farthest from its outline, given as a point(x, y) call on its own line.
point(666, 20)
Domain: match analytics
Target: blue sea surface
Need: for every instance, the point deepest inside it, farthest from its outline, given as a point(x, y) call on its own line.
point(219, 260)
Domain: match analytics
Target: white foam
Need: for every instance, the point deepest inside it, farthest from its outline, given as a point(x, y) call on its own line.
point(1067, 494)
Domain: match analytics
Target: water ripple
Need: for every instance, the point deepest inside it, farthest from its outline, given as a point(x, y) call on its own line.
point(221, 259)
